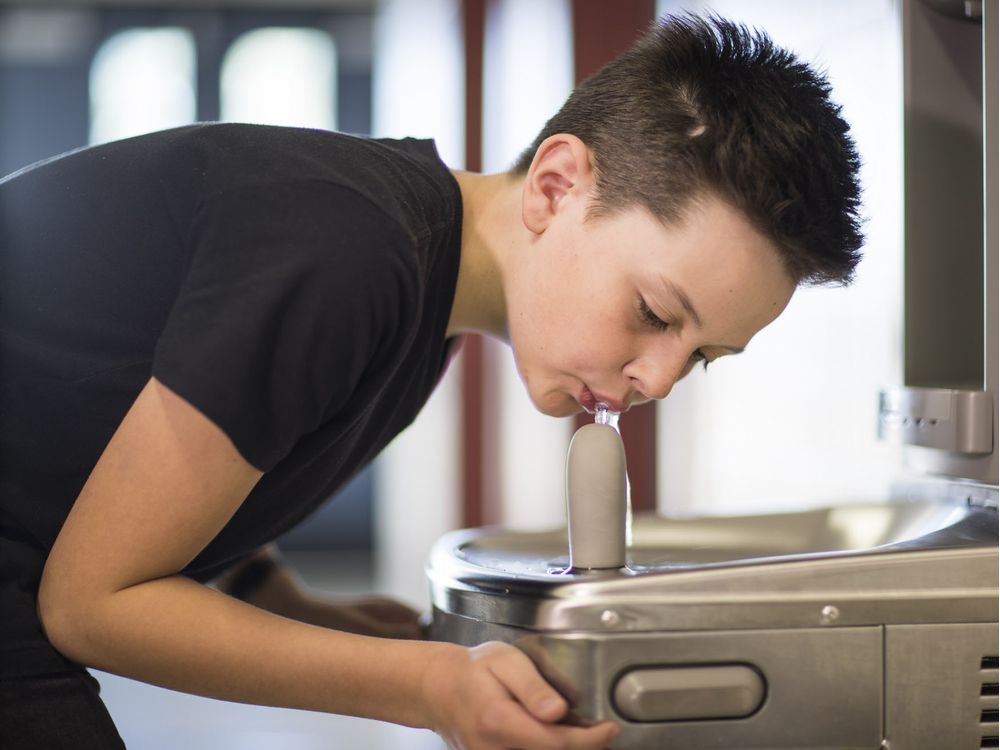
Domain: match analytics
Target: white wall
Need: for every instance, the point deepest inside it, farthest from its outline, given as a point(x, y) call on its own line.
point(791, 423)
point(419, 77)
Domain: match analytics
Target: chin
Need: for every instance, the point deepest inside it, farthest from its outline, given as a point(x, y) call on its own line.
point(558, 405)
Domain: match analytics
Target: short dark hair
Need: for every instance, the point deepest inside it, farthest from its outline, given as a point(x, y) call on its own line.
point(703, 106)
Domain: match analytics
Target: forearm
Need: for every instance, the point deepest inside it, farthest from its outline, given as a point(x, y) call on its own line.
point(265, 580)
point(167, 483)
point(179, 634)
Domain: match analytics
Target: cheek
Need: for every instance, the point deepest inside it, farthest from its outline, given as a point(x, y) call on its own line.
point(561, 319)
point(538, 326)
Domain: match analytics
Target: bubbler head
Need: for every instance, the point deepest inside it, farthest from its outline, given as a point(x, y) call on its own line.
point(604, 415)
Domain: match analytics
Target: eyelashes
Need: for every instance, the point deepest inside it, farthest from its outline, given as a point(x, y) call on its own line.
point(699, 356)
point(648, 317)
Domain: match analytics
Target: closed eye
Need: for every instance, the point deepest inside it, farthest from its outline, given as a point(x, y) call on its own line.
point(650, 318)
point(647, 316)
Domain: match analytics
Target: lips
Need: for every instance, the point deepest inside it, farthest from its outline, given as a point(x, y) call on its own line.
point(589, 400)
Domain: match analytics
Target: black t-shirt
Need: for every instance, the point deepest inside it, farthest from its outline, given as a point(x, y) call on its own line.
point(293, 285)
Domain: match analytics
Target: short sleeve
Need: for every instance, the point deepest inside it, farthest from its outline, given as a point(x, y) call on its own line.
point(293, 293)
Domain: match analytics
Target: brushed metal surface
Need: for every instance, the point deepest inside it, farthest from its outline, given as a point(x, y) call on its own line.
point(929, 562)
point(824, 686)
point(862, 620)
point(933, 685)
point(951, 420)
point(695, 693)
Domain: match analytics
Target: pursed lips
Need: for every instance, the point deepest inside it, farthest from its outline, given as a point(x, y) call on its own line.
point(589, 400)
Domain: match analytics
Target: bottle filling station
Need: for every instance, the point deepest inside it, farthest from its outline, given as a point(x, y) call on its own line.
point(868, 625)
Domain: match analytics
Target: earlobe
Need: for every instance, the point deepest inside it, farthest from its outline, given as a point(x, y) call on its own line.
point(561, 168)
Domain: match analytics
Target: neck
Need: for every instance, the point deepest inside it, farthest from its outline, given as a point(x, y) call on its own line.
point(491, 216)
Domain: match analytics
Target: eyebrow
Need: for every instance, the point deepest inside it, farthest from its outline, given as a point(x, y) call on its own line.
point(689, 308)
point(685, 301)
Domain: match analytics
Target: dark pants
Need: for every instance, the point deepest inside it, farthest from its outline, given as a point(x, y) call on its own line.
point(55, 712)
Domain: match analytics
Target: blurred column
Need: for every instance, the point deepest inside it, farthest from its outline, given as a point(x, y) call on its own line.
point(281, 76)
point(141, 80)
point(419, 91)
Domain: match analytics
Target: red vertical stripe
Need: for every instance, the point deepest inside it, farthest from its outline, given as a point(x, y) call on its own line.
point(602, 30)
point(478, 453)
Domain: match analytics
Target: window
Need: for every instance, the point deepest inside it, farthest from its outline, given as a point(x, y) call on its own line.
point(281, 76)
point(142, 80)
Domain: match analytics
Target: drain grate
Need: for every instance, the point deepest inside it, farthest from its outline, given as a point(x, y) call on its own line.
point(988, 666)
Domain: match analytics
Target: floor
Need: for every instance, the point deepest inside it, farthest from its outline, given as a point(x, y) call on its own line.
point(151, 718)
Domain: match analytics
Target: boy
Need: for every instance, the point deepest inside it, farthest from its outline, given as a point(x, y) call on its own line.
point(206, 331)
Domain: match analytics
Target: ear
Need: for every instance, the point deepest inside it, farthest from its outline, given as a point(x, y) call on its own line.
point(561, 169)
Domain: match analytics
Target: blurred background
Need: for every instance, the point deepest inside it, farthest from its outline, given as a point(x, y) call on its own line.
point(790, 424)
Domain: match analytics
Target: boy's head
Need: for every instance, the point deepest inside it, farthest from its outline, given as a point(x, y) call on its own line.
point(703, 108)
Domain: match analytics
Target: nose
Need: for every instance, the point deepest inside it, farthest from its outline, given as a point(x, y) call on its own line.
point(654, 374)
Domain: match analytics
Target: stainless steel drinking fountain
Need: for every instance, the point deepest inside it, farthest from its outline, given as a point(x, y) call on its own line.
point(833, 628)
point(864, 625)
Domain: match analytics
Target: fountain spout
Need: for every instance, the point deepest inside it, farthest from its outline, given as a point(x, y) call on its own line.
point(596, 494)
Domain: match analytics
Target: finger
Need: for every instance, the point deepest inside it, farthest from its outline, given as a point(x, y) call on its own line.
point(508, 724)
point(596, 737)
point(517, 673)
point(532, 647)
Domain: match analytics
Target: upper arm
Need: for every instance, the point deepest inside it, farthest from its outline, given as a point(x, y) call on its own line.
point(164, 486)
point(292, 295)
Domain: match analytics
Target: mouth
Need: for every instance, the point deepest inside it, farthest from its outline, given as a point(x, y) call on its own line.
point(589, 400)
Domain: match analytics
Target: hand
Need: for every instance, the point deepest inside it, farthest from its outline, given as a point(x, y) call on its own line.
point(491, 697)
point(276, 588)
point(369, 615)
